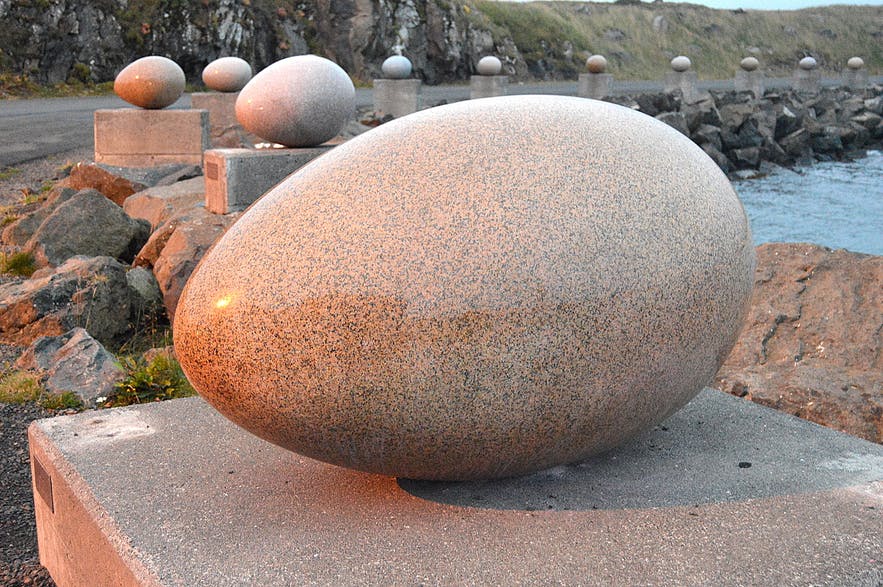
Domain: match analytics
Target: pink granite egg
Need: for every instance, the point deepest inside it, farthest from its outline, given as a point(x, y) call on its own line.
point(150, 82)
point(477, 290)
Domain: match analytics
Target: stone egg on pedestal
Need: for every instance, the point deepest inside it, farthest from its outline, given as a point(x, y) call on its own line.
point(681, 63)
point(749, 64)
point(298, 102)
point(448, 298)
point(489, 65)
point(227, 74)
point(151, 82)
point(396, 67)
point(596, 64)
point(807, 63)
point(855, 63)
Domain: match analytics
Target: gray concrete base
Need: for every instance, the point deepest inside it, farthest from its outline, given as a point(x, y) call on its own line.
point(487, 86)
point(807, 81)
point(398, 97)
point(131, 137)
point(685, 81)
point(221, 108)
point(750, 81)
point(855, 79)
point(594, 85)
point(234, 178)
point(724, 492)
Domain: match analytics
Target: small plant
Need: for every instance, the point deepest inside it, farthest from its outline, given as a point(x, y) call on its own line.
point(29, 196)
point(9, 172)
point(17, 387)
point(8, 218)
point(61, 401)
point(161, 379)
point(21, 264)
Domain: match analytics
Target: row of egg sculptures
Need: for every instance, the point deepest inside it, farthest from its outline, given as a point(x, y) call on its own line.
point(298, 101)
point(446, 298)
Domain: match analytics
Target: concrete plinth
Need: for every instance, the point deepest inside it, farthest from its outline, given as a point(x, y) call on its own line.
point(724, 492)
point(221, 108)
point(144, 138)
point(234, 178)
point(855, 79)
point(806, 81)
point(594, 85)
point(398, 97)
point(750, 81)
point(487, 86)
point(685, 81)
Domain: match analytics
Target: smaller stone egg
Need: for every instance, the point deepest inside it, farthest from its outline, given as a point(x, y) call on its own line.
point(227, 74)
point(298, 102)
point(151, 82)
point(807, 63)
point(749, 64)
point(855, 63)
point(681, 63)
point(489, 65)
point(396, 67)
point(596, 64)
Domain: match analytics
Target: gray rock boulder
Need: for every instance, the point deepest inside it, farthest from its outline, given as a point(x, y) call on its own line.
point(144, 293)
point(707, 134)
point(676, 120)
point(90, 292)
point(87, 224)
point(73, 362)
point(19, 232)
point(118, 183)
point(157, 204)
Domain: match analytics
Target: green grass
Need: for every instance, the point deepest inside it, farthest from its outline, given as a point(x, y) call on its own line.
point(19, 264)
point(17, 387)
point(161, 379)
point(9, 172)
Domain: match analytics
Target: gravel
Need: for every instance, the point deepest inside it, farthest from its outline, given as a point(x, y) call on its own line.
point(18, 533)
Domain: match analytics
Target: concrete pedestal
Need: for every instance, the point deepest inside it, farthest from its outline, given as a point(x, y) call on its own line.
point(806, 81)
point(221, 108)
point(487, 86)
point(234, 178)
point(750, 81)
point(130, 137)
point(685, 81)
point(398, 97)
point(594, 85)
point(723, 493)
point(855, 79)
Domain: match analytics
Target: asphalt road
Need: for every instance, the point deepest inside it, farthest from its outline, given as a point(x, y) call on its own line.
point(34, 129)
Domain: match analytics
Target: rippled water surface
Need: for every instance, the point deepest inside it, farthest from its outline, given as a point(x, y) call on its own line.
point(839, 205)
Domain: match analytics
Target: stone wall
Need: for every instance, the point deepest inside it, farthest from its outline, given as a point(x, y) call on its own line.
point(784, 128)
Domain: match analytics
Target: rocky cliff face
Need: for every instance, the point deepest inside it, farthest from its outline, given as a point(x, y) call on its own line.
point(58, 40)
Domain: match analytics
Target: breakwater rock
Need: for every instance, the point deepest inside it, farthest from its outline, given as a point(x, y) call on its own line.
point(783, 128)
point(811, 345)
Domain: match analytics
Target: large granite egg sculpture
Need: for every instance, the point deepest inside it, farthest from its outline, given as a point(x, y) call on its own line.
point(299, 101)
point(478, 290)
point(396, 67)
point(151, 82)
point(227, 74)
point(489, 65)
point(681, 63)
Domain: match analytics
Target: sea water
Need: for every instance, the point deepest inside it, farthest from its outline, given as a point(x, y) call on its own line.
point(835, 204)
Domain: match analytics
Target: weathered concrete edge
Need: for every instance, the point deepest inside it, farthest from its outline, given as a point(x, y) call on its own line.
point(101, 544)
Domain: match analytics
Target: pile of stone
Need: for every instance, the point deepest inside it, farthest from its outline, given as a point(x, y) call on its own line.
point(740, 132)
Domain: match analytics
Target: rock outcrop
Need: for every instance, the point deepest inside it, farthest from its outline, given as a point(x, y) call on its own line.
point(73, 362)
point(87, 224)
point(811, 345)
point(91, 292)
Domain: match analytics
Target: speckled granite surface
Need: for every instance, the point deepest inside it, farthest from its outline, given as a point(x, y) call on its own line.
point(478, 290)
point(150, 82)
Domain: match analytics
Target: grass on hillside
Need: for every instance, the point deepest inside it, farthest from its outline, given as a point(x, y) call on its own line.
point(715, 40)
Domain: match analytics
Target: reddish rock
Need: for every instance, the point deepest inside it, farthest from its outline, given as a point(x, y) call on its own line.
point(811, 345)
point(176, 247)
point(85, 175)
